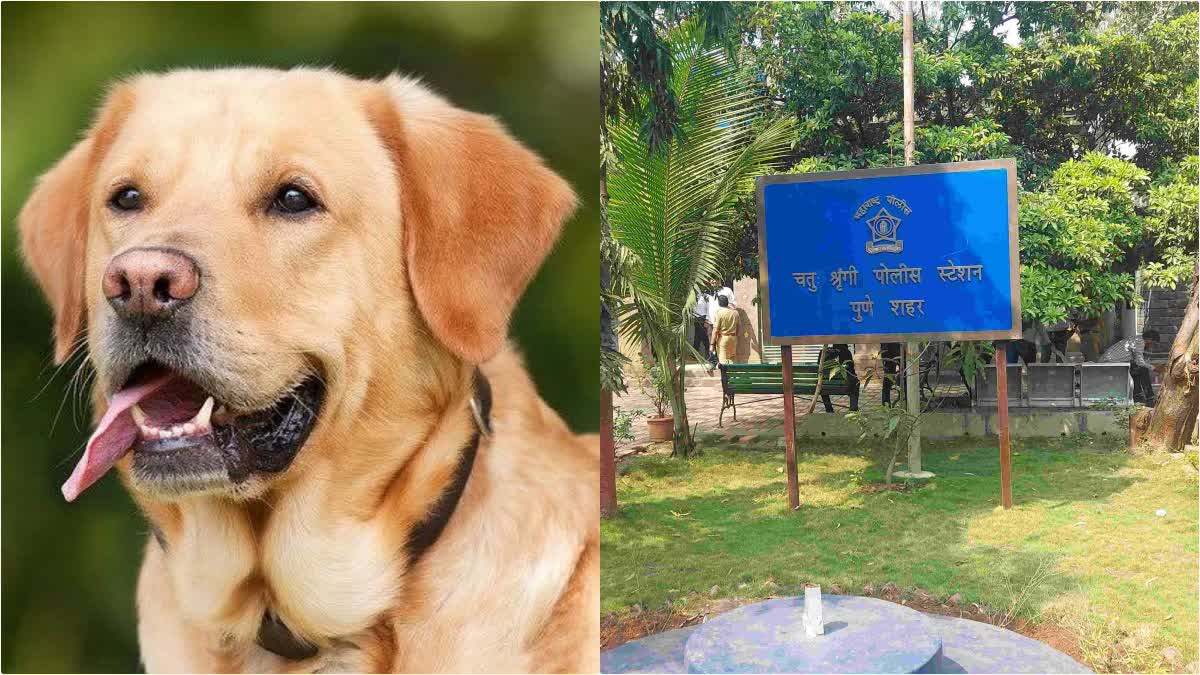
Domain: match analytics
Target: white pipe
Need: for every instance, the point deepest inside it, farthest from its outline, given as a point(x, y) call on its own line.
point(814, 624)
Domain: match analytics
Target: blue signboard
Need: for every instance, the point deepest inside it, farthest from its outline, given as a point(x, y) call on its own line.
point(884, 255)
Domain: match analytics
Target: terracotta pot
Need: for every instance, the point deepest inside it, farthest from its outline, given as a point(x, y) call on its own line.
point(661, 428)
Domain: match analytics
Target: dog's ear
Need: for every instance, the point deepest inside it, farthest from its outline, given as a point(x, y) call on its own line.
point(53, 224)
point(480, 213)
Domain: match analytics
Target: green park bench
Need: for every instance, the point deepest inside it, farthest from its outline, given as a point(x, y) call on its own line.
point(767, 379)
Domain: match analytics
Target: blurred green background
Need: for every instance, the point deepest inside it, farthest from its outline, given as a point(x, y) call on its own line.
point(69, 571)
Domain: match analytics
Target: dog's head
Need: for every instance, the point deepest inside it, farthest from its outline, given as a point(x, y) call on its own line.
point(232, 242)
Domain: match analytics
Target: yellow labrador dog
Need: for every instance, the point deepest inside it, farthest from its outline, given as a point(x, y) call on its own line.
point(295, 289)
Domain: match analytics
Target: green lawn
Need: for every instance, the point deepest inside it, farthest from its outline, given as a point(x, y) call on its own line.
point(1082, 548)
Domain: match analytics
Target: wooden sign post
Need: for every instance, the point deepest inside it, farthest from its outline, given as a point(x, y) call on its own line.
point(1002, 421)
point(789, 427)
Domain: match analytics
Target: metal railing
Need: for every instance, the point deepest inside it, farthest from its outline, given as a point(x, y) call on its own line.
point(1068, 385)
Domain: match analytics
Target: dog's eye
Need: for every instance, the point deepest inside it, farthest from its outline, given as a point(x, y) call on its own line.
point(126, 199)
point(292, 199)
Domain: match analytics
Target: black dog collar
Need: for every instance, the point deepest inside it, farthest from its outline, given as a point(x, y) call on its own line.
point(274, 635)
point(426, 533)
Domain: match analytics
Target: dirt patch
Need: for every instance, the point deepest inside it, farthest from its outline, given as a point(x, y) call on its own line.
point(932, 606)
point(1056, 636)
point(623, 453)
point(639, 623)
point(883, 487)
point(616, 631)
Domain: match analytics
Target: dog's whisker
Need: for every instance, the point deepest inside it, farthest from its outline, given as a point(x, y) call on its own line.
point(58, 413)
point(83, 406)
point(76, 351)
point(76, 388)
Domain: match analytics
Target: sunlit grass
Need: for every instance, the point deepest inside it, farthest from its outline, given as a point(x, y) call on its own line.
point(1082, 548)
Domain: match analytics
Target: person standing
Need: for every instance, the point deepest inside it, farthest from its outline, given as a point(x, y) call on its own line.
point(713, 307)
point(1026, 348)
point(1057, 334)
point(1132, 350)
point(840, 354)
point(700, 324)
point(1088, 329)
point(725, 330)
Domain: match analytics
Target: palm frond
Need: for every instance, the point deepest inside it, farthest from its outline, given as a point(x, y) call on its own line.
point(672, 209)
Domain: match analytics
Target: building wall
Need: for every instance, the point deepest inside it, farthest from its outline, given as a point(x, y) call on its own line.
point(1163, 311)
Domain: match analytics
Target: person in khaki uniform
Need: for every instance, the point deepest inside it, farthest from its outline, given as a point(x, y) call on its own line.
point(725, 331)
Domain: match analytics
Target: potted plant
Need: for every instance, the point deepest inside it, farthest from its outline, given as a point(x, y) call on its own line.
point(657, 388)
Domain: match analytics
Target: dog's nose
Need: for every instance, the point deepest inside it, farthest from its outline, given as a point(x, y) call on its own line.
point(150, 283)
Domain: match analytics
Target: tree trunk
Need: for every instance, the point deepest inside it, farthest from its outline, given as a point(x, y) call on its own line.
point(608, 468)
point(608, 340)
point(1174, 417)
point(683, 437)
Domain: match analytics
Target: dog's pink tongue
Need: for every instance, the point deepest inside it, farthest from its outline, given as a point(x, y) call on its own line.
point(113, 437)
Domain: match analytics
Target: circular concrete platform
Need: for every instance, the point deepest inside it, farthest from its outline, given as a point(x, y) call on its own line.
point(967, 647)
point(974, 647)
point(862, 635)
point(658, 653)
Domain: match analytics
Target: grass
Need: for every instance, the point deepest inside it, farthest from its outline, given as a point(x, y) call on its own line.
point(1083, 548)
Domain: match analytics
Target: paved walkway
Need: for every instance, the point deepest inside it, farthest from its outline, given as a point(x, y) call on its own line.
point(755, 414)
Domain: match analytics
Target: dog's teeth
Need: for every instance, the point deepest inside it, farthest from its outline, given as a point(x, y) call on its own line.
point(189, 428)
point(138, 415)
point(203, 418)
point(144, 430)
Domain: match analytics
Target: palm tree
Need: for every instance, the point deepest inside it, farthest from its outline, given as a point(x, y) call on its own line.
point(629, 60)
point(672, 207)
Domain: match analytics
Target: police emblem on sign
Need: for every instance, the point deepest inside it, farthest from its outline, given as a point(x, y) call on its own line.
point(883, 233)
point(883, 225)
